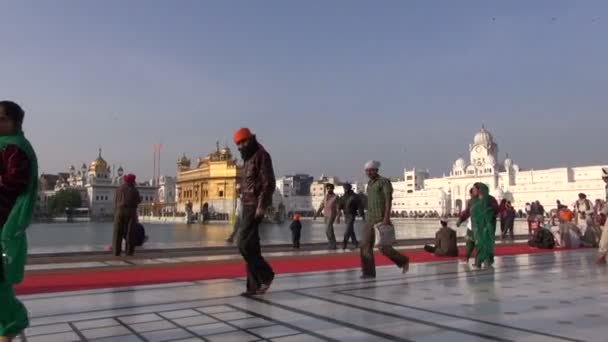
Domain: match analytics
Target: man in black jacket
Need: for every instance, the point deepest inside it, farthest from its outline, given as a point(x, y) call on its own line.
point(258, 185)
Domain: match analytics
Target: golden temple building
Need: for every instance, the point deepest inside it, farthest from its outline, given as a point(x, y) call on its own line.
point(212, 183)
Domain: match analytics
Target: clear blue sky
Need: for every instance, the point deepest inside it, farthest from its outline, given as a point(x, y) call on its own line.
point(326, 85)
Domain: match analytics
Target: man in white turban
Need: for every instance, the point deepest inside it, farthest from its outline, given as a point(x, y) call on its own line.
point(379, 202)
point(372, 165)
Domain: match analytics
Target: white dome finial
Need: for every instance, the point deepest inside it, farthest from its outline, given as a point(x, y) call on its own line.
point(483, 137)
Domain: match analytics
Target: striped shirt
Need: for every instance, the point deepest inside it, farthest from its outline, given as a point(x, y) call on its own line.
point(379, 191)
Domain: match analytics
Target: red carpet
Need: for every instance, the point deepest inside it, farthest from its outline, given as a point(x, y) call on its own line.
point(83, 279)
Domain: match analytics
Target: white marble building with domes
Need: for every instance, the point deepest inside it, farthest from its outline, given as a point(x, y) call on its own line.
point(418, 192)
point(97, 184)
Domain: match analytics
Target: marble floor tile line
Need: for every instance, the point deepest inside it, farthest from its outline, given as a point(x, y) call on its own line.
point(194, 333)
point(77, 331)
point(460, 317)
point(232, 325)
point(312, 333)
point(402, 317)
point(332, 320)
point(130, 329)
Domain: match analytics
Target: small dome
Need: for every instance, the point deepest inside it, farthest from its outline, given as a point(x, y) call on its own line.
point(460, 163)
point(515, 167)
point(483, 137)
point(98, 165)
point(120, 171)
point(184, 161)
point(508, 163)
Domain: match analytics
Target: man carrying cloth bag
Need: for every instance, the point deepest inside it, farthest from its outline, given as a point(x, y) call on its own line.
point(379, 202)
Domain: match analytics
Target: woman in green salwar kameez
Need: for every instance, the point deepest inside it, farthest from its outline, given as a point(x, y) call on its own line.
point(483, 219)
point(18, 193)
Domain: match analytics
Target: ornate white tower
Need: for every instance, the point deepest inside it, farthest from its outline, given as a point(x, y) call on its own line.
point(484, 151)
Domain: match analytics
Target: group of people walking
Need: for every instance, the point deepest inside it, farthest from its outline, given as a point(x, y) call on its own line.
point(333, 207)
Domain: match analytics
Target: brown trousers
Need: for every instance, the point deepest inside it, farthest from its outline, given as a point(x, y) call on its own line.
point(368, 264)
point(124, 227)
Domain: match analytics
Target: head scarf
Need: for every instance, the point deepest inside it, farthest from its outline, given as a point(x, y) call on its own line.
point(129, 179)
point(241, 135)
point(483, 220)
point(372, 165)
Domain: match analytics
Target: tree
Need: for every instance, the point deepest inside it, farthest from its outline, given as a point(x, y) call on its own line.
point(64, 199)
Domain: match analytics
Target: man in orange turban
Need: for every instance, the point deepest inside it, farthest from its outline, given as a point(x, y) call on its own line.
point(566, 215)
point(257, 186)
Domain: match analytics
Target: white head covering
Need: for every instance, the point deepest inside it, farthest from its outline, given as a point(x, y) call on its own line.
point(372, 165)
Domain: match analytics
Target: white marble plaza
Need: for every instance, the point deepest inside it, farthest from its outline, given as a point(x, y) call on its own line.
point(546, 297)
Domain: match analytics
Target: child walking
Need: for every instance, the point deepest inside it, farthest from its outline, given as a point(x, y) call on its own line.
point(296, 229)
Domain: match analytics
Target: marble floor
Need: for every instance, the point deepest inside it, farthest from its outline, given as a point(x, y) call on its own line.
point(545, 297)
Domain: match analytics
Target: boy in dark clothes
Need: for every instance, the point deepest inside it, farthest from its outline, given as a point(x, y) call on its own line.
point(296, 229)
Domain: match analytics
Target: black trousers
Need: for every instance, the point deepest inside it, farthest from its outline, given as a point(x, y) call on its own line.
point(503, 227)
point(124, 228)
point(258, 270)
point(295, 237)
point(350, 231)
point(508, 227)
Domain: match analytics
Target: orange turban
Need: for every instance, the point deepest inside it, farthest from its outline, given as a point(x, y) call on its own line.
point(296, 217)
point(242, 135)
point(566, 215)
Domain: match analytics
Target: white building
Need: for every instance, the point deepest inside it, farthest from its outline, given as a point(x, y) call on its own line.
point(317, 189)
point(167, 190)
point(294, 193)
point(97, 186)
point(449, 194)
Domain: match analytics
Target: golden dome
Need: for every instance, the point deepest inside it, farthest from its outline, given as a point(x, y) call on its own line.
point(98, 165)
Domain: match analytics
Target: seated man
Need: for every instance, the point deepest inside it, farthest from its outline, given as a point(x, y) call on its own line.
point(445, 242)
point(570, 233)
